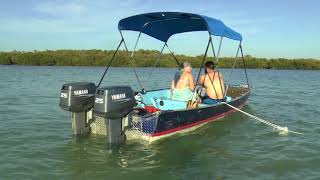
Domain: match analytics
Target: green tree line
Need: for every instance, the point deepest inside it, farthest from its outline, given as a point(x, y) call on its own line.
point(143, 58)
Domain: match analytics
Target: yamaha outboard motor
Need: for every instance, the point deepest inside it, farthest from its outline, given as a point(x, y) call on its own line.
point(112, 104)
point(78, 98)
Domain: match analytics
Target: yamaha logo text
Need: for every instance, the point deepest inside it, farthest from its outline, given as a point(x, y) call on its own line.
point(80, 92)
point(118, 96)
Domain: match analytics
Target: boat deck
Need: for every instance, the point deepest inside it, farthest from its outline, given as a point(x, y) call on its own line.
point(235, 92)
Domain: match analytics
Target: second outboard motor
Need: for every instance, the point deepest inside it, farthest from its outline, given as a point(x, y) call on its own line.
point(113, 103)
point(78, 97)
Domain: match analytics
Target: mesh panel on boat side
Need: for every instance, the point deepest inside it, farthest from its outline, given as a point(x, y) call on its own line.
point(99, 126)
point(141, 127)
point(145, 125)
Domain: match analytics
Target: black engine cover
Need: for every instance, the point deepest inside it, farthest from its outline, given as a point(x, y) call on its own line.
point(77, 96)
point(113, 101)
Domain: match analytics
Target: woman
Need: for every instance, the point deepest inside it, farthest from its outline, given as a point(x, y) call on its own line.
point(182, 86)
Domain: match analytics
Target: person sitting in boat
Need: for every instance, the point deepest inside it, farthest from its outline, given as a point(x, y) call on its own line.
point(213, 82)
point(182, 86)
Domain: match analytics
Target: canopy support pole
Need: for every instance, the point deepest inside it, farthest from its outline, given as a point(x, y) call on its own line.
point(175, 58)
point(134, 69)
point(134, 62)
point(234, 63)
point(111, 60)
point(213, 52)
point(204, 58)
point(217, 58)
point(155, 64)
point(244, 65)
point(214, 55)
point(216, 65)
point(217, 61)
point(124, 42)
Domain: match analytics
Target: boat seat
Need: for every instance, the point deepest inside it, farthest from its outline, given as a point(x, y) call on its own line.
point(169, 104)
point(161, 100)
point(150, 97)
point(228, 99)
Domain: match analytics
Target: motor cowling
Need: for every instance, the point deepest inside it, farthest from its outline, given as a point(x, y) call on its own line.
point(113, 103)
point(77, 96)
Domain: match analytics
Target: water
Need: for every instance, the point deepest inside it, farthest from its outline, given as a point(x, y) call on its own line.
point(36, 140)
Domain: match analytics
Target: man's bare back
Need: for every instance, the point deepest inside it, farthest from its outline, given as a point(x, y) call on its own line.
point(185, 80)
point(214, 83)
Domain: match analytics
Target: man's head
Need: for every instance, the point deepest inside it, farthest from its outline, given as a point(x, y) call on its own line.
point(187, 66)
point(209, 66)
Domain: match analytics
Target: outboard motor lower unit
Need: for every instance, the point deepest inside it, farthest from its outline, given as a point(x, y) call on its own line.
point(78, 98)
point(113, 103)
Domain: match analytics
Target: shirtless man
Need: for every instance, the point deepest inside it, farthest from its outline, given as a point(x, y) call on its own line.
point(182, 86)
point(214, 84)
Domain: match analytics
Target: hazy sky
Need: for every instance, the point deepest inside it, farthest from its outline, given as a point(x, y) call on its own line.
point(283, 28)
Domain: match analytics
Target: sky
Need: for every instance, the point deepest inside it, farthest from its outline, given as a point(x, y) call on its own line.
point(270, 29)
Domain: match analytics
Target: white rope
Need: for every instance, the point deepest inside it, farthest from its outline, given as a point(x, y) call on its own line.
point(283, 130)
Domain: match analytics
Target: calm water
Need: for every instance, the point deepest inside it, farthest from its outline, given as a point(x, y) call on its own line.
point(36, 140)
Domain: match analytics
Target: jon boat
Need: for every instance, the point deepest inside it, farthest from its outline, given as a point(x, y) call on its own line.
point(122, 114)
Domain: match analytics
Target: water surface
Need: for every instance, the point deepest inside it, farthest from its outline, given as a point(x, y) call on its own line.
point(36, 140)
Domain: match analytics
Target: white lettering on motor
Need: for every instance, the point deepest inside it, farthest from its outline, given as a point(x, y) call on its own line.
point(98, 100)
point(80, 92)
point(118, 96)
point(63, 95)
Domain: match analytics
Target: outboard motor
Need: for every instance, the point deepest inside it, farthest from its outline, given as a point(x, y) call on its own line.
point(78, 98)
point(112, 104)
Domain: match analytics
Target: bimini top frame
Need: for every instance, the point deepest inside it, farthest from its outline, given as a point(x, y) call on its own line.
point(162, 25)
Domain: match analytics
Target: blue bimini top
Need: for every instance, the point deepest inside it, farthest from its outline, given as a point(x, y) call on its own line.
point(162, 25)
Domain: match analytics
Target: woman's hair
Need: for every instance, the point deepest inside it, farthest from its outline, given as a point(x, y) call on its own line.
point(209, 65)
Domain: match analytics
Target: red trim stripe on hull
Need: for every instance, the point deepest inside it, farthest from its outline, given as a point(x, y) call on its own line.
point(196, 123)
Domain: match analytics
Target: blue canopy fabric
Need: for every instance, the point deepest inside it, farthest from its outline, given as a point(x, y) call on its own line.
point(162, 25)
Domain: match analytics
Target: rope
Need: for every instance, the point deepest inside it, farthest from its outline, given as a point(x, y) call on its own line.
point(283, 130)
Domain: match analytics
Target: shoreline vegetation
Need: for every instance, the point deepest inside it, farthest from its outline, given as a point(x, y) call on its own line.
point(144, 58)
